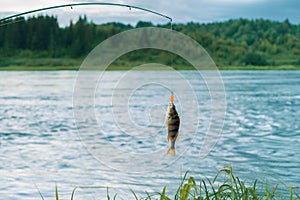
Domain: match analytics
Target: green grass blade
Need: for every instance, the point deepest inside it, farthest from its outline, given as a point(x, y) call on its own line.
point(253, 193)
point(241, 187)
point(163, 194)
point(107, 195)
point(267, 190)
point(274, 190)
point(233, 182)
point(216, 177)
point(298, 197)
point(115, 196)
point(223, 188)
point(181, 183)
point(185, 191)
point(193, 184)
point(205, 189)
point(39, 191)
point(56, 193)
point(135, 196)
point(212, 187)
point(200, 189)
point(73, 192)
point(88, 187)
point(246, 196)
point(148, 195)
point(254, 185)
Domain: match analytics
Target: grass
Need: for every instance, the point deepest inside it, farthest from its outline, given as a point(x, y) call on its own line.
point(53, 64)
point(279, 67)
point(225, 185)
point(38, 68)
point(17, 63)
point(116, 68)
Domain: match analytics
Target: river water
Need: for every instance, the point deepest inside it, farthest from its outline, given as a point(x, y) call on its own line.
point(42, 145)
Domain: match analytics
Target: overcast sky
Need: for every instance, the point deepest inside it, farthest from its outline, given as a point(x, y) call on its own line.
point(180, 10)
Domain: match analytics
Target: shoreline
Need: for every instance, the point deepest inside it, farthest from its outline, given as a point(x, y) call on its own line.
point(122, 68)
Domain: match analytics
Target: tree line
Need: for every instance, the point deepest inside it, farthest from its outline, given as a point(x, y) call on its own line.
point(234, 42)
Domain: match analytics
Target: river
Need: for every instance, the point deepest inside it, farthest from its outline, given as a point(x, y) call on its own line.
point(42, 145)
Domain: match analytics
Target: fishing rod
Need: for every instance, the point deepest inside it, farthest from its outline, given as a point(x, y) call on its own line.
point(87, 4)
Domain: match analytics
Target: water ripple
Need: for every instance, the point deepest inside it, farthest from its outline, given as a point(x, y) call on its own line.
point(40, 145)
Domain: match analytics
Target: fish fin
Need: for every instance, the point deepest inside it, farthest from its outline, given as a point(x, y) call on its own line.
point(169, 139)
point(171, 151)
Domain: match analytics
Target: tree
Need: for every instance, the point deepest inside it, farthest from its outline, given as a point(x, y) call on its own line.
point(255, 59)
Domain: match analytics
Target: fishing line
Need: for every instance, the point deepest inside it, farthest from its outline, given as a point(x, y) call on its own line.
point(86, 4)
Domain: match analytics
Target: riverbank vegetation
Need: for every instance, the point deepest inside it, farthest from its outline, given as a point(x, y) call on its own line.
point(225, 185)
point(40, 43)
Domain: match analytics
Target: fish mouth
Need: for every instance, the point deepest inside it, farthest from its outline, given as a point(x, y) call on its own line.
point(171, 106)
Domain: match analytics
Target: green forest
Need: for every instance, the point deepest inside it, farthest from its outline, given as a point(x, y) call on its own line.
point(39, 41)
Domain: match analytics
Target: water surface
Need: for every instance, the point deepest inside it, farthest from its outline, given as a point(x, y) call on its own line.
point(41, 146)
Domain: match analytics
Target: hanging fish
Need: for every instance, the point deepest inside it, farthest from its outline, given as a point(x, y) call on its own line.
point(172, 124)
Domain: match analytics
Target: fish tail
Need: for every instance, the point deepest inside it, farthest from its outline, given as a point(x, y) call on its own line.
point(172, 151)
